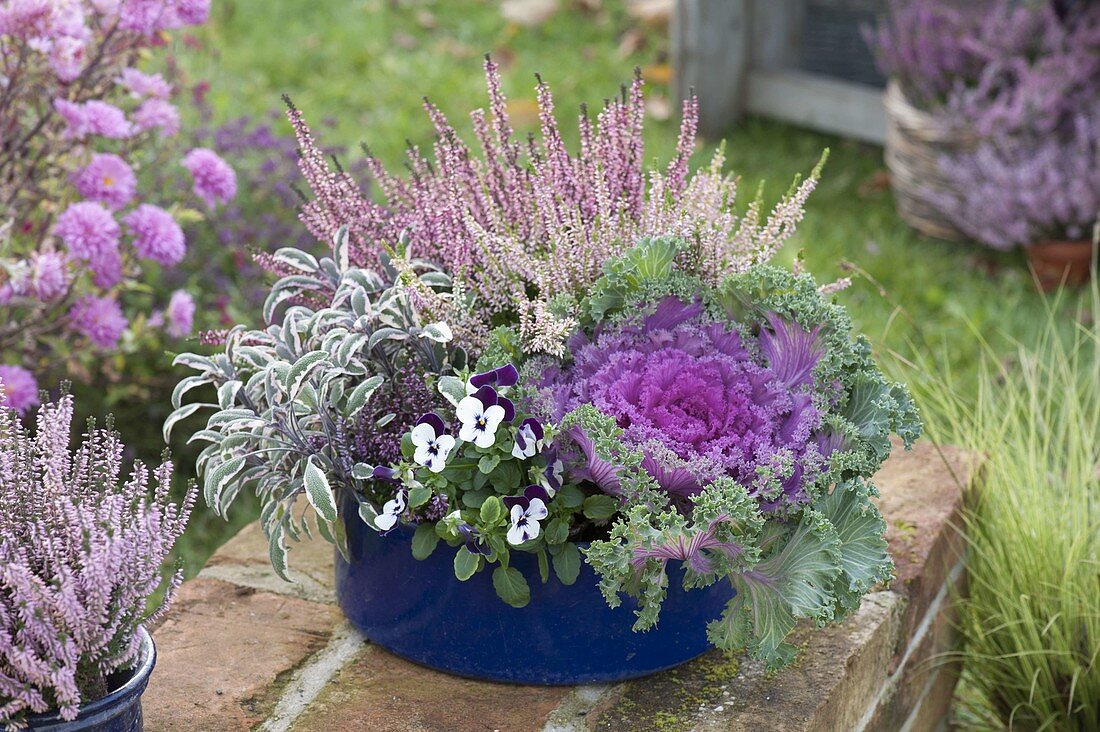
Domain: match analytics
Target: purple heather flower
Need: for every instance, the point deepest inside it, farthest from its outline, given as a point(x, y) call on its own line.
point(392, 510)
point(180, 314)
point(98, 318)
point(141, 84)
point(157, 114)
point(480, 415)
point(688, 392)
point(431, 442)
point(156, 234)
point(91, 233)
point(107, 179)
point(214, 180)
point(49, 275)
point(525, 512)
point(18, 388)
point(528, 439)
point(93, 118)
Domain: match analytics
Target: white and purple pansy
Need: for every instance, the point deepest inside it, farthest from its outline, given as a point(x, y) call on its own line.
point(528, 439)
point(392, 510)
point(551, 478)
point(473, 541)
point(505, 376)
point(383, 473)
point(525, 513)
point(431, 442)
point(481, 413)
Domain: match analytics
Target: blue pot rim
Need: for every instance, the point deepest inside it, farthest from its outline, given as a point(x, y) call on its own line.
point(133, 688)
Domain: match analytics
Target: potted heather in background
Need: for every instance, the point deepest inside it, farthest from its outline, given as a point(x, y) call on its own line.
point(81, 554)
point(560, 398)
point(995, 125)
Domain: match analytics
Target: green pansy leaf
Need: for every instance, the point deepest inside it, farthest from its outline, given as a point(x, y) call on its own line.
point(492, 510)
point(419, 495)
point(600, 507)
point(570, 496)
point(567, 563)
point(424, 541)
point(466, 563)
point(488, 463)
point(556, 532)
point(511, 586)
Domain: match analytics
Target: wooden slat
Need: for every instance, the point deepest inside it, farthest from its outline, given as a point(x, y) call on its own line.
point(841, 107)
point(710, 54)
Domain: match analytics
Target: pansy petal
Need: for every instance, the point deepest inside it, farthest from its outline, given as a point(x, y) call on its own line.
point(516, 535)
point(535, 426)
point(519, 502)
point(434, 421)
point(385, 521)
point(509, 408)
point(533, 492)
point(423, 435)
point(537, 510)
point(445, 443)
point(487, 395)
point(507, 375)
point(469, 409)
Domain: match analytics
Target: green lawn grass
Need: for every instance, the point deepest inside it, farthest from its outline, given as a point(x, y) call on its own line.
point(369, 63)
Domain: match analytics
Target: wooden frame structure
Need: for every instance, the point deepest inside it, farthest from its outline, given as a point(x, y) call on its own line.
point(742, 56)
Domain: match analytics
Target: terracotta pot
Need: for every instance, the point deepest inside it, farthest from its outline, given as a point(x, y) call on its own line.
point(1055, 261)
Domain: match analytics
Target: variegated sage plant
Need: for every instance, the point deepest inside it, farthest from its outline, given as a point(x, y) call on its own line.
point(300, 403)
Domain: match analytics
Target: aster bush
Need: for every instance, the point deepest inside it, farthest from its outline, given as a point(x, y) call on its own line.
point(81, 551)
point(79, 232)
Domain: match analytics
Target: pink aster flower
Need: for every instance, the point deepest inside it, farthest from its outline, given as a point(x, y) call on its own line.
point(215, 181)
point(156, 234)
point(180, 314)
point(146, 16)
point(49, 275)
point(193, 12)
point(98, 318)
point(18, 388)
point(91, 233)
point(25, 18)
point(107, 180)
point(93, 118)
point(67, 58)
point(140, 84)
point(157, 114)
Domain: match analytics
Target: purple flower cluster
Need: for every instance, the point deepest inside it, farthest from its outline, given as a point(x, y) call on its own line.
point(81, 551)
point(509, 218)
point(701, 400)
point(78, 145)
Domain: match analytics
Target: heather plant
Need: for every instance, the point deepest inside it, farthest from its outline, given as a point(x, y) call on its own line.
point(523, 228)
point(81, 552)
point(995, 66)
point(78, 233)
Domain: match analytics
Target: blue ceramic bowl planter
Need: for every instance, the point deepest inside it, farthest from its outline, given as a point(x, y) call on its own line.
point(566, 635)
point(119, 711)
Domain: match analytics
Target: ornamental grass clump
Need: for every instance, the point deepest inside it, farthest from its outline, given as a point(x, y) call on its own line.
point(1030, 620)
point(547, 355)
point(82, 549)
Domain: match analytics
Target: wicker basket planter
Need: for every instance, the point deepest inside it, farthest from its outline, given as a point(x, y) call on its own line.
point(915, 141)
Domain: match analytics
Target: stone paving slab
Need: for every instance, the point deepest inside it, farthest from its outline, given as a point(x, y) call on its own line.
point(244, 650)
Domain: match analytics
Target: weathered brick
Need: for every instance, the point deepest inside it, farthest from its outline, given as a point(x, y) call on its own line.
point(926, 656)
point(243, 560)
point(223, 652)
point(379, 691)
point(922, 495)
point(838, 670)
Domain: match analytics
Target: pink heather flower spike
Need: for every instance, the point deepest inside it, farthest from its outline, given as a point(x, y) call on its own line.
point(180, 314)
point(156, 234)
point(18, 388)
point(107, 179)
point(98, 318)
point(215, 181)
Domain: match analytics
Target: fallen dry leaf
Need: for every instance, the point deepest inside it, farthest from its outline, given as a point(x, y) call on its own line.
point(657, 73)
point(631, 43)
point(651, 12)
point(658, 107)
point(528, 12)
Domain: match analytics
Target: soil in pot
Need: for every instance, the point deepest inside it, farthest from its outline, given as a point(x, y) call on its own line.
point(1058, 261)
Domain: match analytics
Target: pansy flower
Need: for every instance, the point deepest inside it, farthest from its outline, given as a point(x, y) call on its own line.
point(506, 375)
point(472, 539)
point(525, 513)
point(551, 477)
point(528, 439)
point(431, 443)
point(392, 511)
point(480, 414)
